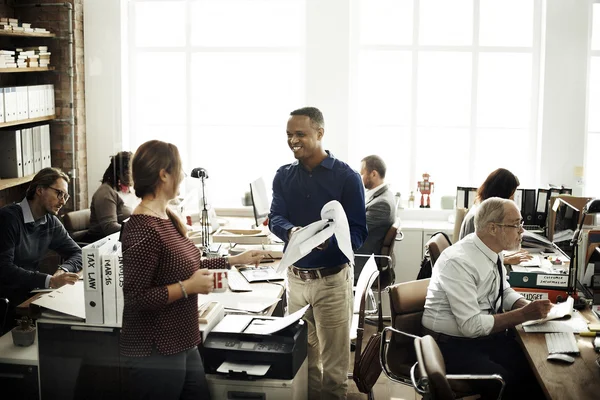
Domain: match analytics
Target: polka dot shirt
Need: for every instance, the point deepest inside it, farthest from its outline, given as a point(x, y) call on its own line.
point(155, 255)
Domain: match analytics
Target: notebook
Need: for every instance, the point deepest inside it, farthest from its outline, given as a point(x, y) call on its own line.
point(260, 274)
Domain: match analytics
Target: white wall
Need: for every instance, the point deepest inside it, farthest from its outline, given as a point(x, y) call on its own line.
point(564, 99)
point(102, 53)
point(563, 105)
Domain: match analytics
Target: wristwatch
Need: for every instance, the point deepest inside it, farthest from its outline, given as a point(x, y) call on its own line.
point(63, 268)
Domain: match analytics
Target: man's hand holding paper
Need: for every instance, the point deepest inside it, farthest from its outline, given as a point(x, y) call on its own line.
point(317, 235)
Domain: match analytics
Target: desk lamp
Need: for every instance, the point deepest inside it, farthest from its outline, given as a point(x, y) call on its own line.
point(202, 174)
point(592, 207)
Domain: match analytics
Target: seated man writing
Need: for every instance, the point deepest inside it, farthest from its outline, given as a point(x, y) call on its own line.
point(470, 305)
point(29, 229)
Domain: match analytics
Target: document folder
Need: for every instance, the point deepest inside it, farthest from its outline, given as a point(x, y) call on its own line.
point(11, 164)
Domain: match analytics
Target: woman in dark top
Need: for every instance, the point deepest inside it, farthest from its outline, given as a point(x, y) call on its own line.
point(108, 210)
point(162, 276)
point(500, 183)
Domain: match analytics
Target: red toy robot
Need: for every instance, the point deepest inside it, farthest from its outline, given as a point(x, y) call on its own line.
point(426, 188)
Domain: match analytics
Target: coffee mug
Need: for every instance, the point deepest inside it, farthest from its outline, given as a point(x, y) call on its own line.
point(219, 280)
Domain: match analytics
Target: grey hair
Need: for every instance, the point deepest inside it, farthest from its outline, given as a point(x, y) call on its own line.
point(490, 210)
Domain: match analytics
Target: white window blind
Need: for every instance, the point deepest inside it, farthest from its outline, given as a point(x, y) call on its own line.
point(592, 167)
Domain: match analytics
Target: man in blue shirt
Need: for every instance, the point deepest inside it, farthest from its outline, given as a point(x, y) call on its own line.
point(323, 278)
point(29, 229)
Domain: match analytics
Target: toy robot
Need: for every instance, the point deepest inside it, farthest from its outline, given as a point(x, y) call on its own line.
point(426, 188)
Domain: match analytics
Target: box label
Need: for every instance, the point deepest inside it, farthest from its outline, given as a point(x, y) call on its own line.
point(552, 280)
point(531, 296)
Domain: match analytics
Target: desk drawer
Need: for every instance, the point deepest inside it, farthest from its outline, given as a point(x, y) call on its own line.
point(20, 380)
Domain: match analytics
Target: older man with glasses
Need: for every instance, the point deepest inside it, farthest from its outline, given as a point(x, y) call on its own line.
point(28, 230)
point(470, 307)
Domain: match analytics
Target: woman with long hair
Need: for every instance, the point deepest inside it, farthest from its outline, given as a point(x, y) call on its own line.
point(162, 277)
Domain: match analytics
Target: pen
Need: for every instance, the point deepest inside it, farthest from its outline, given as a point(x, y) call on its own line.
point(589, 334)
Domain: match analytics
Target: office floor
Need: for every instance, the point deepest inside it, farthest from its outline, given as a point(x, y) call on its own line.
point(384, 388)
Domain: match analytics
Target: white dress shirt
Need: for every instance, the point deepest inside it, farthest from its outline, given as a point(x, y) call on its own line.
point(463, 290)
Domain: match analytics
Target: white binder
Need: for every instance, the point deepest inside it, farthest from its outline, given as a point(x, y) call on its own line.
point(92, 276)
point(51, 100)
point(27, 151)
point(36, 135)
point(10, 104)
point(11, 165)
point(30, 101)
point(119, 288)
point(22, 108)
point(109, 280)
point(46, 157)
point(2, 119)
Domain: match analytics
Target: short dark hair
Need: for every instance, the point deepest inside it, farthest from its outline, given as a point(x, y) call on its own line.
point(45, 178)
point(314, 114)
point(375, 163)
point(500, 183)
point(119, 170)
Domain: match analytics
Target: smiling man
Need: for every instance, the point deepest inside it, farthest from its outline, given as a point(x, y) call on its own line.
point(323, 278)
point(29, 229)
point(470, 305)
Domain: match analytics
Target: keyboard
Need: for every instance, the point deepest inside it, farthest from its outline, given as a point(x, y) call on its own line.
point(237, 282)
point(561, 342)
point(535, 228)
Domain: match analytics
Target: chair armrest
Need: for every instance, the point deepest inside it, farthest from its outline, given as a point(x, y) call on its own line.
point(467, 377)
point(421, 384)
point(399, 236)
point(383, 350)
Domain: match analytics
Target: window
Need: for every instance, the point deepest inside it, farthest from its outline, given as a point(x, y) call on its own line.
point(218, 84)
point(592, 167)
point(443, 86)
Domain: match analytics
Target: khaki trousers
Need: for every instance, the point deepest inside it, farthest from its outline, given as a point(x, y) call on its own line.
point(328, 319)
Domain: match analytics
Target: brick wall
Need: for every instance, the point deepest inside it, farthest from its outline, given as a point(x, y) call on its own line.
point(55, 19)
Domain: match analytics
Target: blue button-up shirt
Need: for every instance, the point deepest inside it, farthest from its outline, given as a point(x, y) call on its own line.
point(299, 195)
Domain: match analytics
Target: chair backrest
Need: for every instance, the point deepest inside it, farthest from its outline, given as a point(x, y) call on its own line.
point(387, 249)
point(459, 217)
point(407, 302)
point(77, 223)
point(436, 245)
point(365, 281)
point(431, 365)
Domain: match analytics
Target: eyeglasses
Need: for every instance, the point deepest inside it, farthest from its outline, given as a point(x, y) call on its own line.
point(519, 226)
point(60, 194)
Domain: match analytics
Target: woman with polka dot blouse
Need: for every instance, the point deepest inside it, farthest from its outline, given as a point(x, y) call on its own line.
point(162, 276)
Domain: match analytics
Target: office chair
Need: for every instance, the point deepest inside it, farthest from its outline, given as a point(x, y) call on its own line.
point(393, 235)
point(459, 217)
point(428, 374)
point(362, 294)
point(77, 224)
point(436, 245)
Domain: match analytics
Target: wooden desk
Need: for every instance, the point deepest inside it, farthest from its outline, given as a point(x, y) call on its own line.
point(580, 380)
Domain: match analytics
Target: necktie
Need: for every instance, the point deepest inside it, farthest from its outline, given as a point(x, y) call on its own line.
point(499, 264)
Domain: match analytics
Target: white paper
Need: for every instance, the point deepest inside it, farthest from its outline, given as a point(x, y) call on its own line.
point(233, 323)
point(333, 222)
point(247, 301)
point(535, 261)
point(557, 311)
point(576, 324)
point(68, 299)
point(269, 326)
point(250, 369)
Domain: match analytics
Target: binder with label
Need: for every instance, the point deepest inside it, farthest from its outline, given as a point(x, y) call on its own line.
point(27, 151)
point(555, 296)
point(10, 104)
point(528, 206)
point(36, 135)
point(538, 280)
point(31, 101)
point(541, 207)
point(51, 100)
point(518, 199)
point(92, 276)
point(22, 108)
point(109, 279)
point(11, 165)
point(119, 288)
point(2, 119)
point(46, 157)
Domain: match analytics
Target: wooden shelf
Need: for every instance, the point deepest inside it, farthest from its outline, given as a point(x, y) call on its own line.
point(26, 34)
point(27, 121)
point(8, 183)
point(28, 69)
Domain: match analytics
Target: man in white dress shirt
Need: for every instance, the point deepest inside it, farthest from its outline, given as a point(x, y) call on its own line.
point(470, 305)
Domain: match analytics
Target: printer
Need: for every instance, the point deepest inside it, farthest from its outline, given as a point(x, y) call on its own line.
point(236, 340)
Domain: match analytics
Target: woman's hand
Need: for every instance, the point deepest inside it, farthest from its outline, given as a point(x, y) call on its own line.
point(517, 258)
point(248, 257)
point(201, 282)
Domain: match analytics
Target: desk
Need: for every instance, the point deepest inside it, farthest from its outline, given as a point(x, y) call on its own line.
point(18, 368)
point(580, 380)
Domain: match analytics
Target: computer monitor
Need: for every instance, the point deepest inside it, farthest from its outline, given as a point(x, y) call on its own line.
point(261, 202)
point(565, 224)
